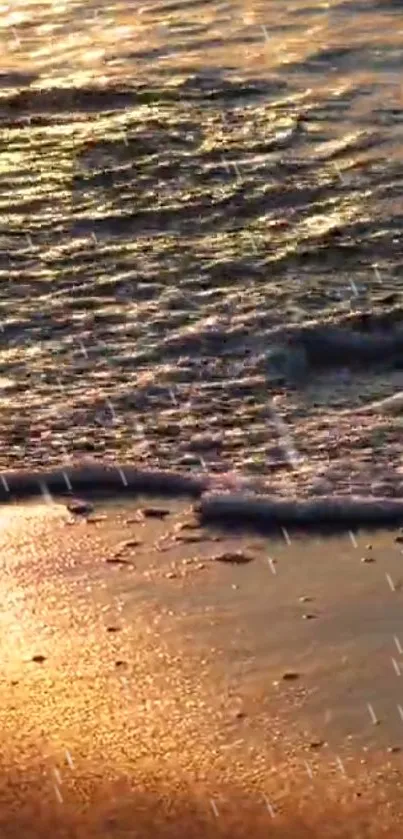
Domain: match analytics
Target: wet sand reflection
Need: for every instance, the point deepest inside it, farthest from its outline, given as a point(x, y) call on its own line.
point(144, 683)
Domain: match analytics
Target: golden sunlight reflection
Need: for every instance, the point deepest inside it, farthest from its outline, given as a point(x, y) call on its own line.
point(185, 184)
point(165, 681)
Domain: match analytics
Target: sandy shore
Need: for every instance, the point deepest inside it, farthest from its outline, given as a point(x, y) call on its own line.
point(159, 680)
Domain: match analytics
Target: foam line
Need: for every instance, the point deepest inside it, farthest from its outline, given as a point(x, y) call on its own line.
point(228, 510)
point(235, 510)
point(98, 480)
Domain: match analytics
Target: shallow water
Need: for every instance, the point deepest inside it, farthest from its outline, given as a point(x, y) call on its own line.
point(177, 181)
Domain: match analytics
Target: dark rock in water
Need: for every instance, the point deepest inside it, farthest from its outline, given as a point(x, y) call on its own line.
point(333, 346)
point(329, 345)
point(205, 442)
point(389, 299)
point(289, 364)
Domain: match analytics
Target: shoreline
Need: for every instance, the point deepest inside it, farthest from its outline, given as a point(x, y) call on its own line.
point(227, 508)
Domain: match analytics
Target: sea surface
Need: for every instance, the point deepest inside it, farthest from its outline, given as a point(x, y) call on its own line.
point(180, 184)
point(179, 180)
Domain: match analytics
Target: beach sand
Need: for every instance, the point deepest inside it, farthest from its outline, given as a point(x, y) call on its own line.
point(160, 680)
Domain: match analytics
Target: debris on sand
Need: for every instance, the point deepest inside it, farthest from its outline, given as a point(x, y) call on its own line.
point(118, 559)
point(80, 508)
point(130, 543)
point(236, 557)
point(290, 676)
point(189, 538)
point(155, 512)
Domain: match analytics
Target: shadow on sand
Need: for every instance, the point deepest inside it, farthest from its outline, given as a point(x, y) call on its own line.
point(35, 807)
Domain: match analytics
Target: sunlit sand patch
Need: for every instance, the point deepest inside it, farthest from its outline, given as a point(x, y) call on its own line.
point(156, 695)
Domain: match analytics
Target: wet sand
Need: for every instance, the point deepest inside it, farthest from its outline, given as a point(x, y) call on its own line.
point(158, 679)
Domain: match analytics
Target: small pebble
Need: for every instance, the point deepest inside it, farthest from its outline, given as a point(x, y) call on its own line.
point(120, 663)
point(290, 676)
point(236, 557)
point(399, 538)
point(394, 749)
point(155, 512)
point(171, 575)
point(305, 599)
point(130, 543)
point(367, 559)
point(309, 616)
point(80, 508)
point(117, 560)
point(39, 659)
point(316, 744)
point(112, 628)
point(186, 525)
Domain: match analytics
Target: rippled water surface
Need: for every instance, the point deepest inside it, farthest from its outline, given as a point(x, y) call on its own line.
point(179, 180)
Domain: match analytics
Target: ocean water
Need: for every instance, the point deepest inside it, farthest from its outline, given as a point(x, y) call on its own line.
point(179, 180)
point(180, 183)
